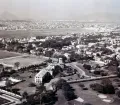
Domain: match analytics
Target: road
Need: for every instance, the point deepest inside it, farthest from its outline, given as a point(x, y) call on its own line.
point(80, 71)
point(92, 79)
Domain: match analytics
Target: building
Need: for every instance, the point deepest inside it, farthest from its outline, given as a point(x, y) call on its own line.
point(40, 75)
point(48, 69)
point(43, 72)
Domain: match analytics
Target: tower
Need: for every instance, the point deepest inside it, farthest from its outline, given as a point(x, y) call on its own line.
point(61, 62)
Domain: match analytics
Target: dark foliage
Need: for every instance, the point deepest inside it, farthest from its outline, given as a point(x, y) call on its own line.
point(88, 67)
point(47, 77)
point(105, 87)
point(68, 91)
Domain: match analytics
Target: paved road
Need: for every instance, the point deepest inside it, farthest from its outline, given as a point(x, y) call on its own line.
point(81, 72)
point(92, 79)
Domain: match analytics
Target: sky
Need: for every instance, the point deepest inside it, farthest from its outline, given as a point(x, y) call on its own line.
point(58, 9)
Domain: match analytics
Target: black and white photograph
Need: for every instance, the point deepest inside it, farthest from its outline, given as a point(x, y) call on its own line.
point(59, 52)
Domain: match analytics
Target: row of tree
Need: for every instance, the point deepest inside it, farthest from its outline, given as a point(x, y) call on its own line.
point(104, 87)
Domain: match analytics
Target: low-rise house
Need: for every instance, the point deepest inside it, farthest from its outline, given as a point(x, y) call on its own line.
point(67, 55)
point(91, 44)
point(107, 60)
point(33, 52)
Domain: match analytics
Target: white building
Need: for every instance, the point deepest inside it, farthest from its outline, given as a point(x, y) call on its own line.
point(40, 75)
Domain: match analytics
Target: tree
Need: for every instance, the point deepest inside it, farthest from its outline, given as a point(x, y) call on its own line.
point(88, 67)
point(68, 92)
point(16, 90)
point(74, 57)
point(108, 87)
point(69, 95)
point(81, 85)
point(97, 87)
point(49, 53)
point(8, 84)
point(31, 100)
point(118, 93)
point(106, 51)
point(17, 64)
point(103, 73)
point(48, 97)
point(40, 88)
point(97, 72)
point(39, 92)
point(1, 68)
point(60, 83)
point(66, 88)
point(32, 85)
point(47, 77)
point(25, 95)
point(105, 87)
point(57, 70)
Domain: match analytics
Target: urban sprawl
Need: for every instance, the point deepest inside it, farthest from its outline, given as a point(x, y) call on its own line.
point(79, 68)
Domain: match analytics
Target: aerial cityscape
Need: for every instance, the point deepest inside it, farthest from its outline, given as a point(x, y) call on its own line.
point(56, 52)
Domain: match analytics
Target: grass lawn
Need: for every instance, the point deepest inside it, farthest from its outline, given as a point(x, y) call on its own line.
point(24, 86)
point(90, 96)
point(6, 54)
point(24, 60)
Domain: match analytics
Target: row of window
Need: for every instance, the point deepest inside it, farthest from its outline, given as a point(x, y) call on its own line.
point(37, 77)
point(38, 81)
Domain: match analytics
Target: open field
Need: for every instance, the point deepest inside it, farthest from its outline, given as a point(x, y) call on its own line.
point(24, 86)
point(90, 96)
point(44, 32)
point(6, 54)
point(24, 61)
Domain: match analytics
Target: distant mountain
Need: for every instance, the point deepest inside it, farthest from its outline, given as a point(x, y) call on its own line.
point(93, 17)
point(101, 17)
point(8, 16)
